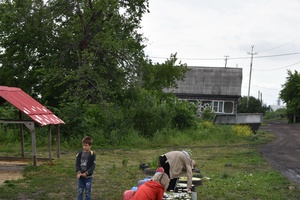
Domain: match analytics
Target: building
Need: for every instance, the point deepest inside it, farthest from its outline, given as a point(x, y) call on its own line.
point(276, 107)
point(216, 88)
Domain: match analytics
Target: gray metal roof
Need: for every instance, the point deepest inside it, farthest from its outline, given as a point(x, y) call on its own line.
point(212, 81)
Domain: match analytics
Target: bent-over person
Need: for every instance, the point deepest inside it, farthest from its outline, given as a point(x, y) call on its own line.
point(177, 164)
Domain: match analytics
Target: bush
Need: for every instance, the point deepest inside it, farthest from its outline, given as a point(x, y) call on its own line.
point(208, 114)
point(185, 115)
point(149, 114)
point(242, 130)
point(279, 114)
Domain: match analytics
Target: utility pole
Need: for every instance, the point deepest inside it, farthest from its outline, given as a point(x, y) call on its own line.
point(226, 57)
point(250, 72)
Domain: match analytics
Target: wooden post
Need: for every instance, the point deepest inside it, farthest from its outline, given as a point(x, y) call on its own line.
point(22, 135)
point(49, 142)
point(33, 141)
point(31, 127)
point(57, 141)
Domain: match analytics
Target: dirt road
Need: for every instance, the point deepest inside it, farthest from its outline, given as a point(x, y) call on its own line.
point(284, 152)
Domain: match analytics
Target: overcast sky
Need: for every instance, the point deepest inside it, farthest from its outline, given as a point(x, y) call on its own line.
point(203, 32)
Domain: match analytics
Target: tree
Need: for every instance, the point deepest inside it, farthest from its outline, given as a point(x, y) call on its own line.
point(60, 49)
point(24, 34)
point(253, 106)
point(78, 57)
point(159, 76)
point(290, 94)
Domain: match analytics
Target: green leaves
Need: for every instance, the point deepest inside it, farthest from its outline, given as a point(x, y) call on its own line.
point(159, 76)
point(290, 94)
point(48, 47)
point(76, 56)
point(252, 106)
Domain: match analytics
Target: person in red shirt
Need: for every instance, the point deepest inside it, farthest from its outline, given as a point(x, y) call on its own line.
point(153, 189)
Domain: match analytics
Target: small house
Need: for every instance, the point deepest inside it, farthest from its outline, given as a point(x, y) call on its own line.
point(216, 88)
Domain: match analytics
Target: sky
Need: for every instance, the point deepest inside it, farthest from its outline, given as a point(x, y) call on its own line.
point(206, 32)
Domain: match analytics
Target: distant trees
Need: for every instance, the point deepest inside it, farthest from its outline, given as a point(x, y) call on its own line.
point(279, 114)
point(253, 106)
point(290, 94)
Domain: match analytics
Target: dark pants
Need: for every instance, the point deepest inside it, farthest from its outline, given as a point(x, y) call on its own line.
point(162, 163)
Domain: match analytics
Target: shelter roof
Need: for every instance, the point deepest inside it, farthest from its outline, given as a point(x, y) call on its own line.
point(29, 106)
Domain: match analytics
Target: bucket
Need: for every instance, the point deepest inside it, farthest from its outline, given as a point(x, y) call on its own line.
point(194, 195)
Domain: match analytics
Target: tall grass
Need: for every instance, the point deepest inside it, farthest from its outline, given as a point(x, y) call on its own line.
point(205, 133)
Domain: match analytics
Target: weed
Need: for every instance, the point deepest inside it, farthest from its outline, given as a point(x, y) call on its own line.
point(9, 183)
point(124, 162)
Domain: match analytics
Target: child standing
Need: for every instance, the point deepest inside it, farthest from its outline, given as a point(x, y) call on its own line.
point(85, 165)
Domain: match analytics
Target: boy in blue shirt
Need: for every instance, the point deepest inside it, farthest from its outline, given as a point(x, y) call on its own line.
point(85, 165)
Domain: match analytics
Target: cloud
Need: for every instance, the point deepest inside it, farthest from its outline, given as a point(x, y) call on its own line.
point(198, 29)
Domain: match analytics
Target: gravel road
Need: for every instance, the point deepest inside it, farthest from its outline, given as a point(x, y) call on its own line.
point(284, 152)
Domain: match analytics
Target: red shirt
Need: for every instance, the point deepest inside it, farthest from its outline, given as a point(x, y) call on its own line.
point(151, 190)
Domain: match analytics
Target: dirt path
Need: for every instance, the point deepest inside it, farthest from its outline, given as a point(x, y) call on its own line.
point(284, 152)
point(11, 170)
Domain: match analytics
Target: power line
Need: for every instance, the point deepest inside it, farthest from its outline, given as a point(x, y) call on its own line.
point(237, 58)
point(258, 86)
point(281, 45)
point(279, 68)
point(188, 58)
point(278, 55)
point(276, 47)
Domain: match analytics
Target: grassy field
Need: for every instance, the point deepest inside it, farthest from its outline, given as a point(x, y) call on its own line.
point(236, 171)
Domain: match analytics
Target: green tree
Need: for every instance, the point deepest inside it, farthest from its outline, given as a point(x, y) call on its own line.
point(253, 106)
point(82, 56)
point(25, 30)
point(159, 76)
point(290, 94)
point(60, 49)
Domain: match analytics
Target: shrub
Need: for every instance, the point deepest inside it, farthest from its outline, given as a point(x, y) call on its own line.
point(279, 114)
point(242, 130)
point(185, 115)
point(208, 114)
point(149, 114)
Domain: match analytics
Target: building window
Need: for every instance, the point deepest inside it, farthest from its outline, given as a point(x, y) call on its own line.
point(202, 105)
point(228, 107)
point(223, 107)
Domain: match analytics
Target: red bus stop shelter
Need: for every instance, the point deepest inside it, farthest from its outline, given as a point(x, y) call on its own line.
point(38, 113)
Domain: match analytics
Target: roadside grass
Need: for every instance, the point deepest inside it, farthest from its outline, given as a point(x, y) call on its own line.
point(234, 165)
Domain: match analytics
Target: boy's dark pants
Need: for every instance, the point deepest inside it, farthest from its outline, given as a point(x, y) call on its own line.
point(162, 162)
